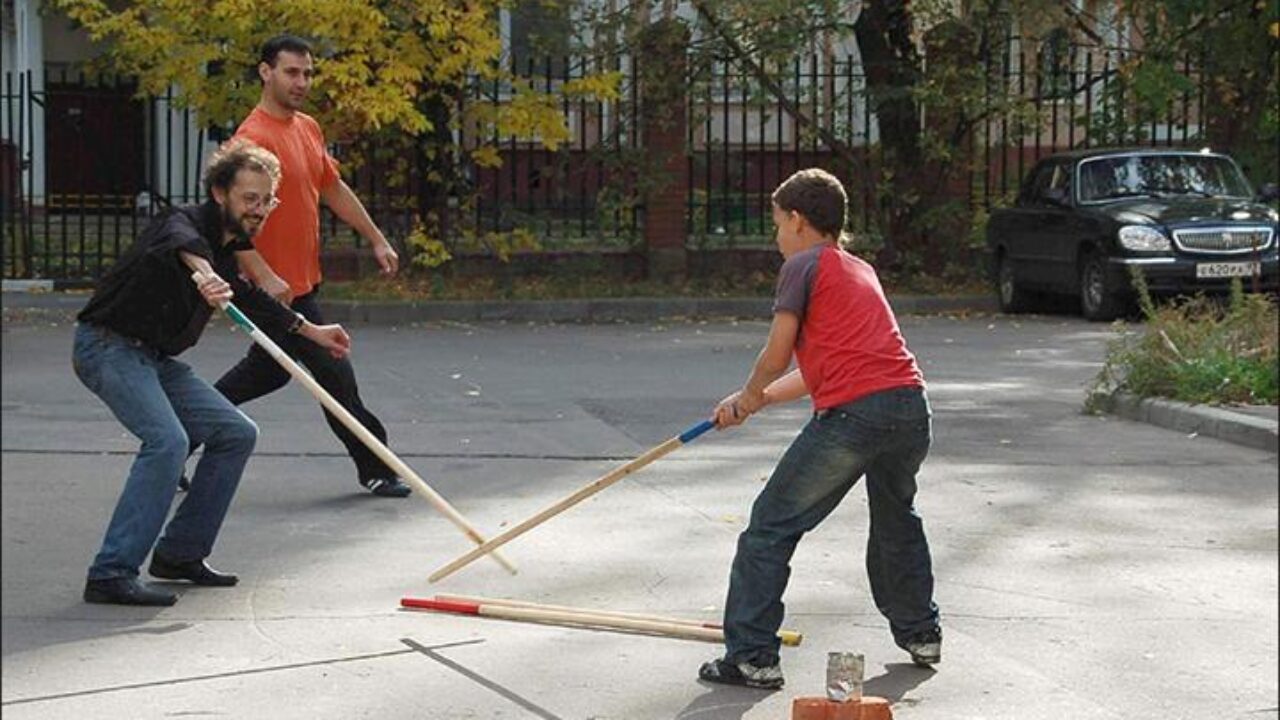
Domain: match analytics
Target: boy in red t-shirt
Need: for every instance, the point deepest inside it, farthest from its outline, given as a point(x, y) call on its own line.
point(871, 417)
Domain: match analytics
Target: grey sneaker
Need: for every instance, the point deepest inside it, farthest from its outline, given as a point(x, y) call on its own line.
point(925, 647)
point(768, 677)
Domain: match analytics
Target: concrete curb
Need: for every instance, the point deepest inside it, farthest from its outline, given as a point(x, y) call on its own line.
point(605, 309)
point(1260, 431)
point(583, 311)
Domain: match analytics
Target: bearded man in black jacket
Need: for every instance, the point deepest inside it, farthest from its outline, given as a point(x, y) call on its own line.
point(146, 310)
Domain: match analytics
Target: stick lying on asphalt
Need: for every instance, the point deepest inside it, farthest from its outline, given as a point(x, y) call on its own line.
point(555, 509)
point(555, 615)
point(346, 418)
point(788, 637)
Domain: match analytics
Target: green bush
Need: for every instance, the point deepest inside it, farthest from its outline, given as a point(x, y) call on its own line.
point(1196, 351)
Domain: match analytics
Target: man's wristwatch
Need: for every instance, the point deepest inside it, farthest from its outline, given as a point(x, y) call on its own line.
point(296, 326)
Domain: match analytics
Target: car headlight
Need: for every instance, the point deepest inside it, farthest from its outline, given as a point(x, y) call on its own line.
point(1143, 238)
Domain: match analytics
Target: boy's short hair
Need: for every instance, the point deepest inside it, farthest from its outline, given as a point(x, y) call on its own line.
point(235, 155)
point(818, 196)
point(272, 48)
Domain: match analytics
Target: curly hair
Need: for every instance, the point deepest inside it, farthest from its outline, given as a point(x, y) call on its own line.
point(235, 155)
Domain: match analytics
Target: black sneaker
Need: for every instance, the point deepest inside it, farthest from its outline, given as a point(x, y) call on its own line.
point(768, 677)
point(386, 487)
point(925, 647)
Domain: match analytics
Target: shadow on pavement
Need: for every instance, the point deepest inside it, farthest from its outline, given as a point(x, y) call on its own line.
point(722, 703)
point(77, 621)
point(482, 681)
point(732, 703)
point(898, 680)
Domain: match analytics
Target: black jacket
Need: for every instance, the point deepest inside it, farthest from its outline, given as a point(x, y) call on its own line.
point(149, 294)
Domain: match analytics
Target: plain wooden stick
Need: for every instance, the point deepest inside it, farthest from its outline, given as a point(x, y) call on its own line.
point(569, 501)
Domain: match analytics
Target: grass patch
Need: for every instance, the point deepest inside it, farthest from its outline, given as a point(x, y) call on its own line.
point(1197, 350)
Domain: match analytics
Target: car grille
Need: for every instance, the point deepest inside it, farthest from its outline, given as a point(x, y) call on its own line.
point(1223, 240)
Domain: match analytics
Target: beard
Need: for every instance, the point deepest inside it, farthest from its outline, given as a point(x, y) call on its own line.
point(288, 99)
point(237, 225)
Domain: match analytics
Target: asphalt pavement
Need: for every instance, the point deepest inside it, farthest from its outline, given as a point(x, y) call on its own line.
point(1087, 566)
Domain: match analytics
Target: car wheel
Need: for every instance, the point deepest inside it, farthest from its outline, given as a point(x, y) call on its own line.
point(1012, 296)
point(1098, 299)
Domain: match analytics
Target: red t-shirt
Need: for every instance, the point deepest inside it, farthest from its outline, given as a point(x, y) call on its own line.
point(290, 238)
point(849, 344)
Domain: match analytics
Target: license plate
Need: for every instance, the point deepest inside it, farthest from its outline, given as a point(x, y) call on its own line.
point(1227, 269)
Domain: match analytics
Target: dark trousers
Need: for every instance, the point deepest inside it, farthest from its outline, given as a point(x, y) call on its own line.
point(259, 374)
point(884, 436)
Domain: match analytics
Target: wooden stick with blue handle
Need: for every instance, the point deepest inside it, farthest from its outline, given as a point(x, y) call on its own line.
point(346, 418)
point(560, 506)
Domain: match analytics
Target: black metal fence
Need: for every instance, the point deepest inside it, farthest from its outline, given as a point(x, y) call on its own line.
point(77, 186)
point(578, 196)
point(743, 142)
point(1076, 103)
point(84, 164)
point(1037, 99)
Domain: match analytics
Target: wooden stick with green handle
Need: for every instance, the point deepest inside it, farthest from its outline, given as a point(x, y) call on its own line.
point(346, 418)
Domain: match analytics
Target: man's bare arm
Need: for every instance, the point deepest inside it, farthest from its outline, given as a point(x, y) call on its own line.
point(344, 203)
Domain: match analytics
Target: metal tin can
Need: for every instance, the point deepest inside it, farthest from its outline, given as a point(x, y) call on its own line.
point(844, 676)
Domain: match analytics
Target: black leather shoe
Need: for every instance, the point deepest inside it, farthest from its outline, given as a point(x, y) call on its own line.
point(197, 571)
point(125, 591)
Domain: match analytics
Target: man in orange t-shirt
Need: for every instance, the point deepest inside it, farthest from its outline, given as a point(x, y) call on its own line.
point(286, 257)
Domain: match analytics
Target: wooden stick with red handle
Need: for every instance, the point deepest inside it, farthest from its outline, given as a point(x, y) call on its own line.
point(788, 637)
point(567, 617)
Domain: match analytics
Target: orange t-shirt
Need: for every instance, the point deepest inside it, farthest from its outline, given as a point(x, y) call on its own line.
point(290, 238)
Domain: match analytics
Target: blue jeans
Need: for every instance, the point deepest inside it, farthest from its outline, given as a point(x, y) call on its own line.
point(159, 400)
point(885, 436)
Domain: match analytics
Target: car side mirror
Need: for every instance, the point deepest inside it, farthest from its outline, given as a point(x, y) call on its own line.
point(1269, 193)
point(1057, 196)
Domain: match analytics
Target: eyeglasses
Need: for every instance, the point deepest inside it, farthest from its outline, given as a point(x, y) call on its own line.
point(254, 201)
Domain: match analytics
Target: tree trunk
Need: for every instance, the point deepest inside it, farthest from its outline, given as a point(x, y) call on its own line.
point(892, 66)
point(437, 166)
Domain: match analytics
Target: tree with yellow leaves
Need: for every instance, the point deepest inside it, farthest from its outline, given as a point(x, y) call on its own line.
point(382, 65)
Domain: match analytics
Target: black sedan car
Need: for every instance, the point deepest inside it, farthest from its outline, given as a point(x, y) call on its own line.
point(1189, 220)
